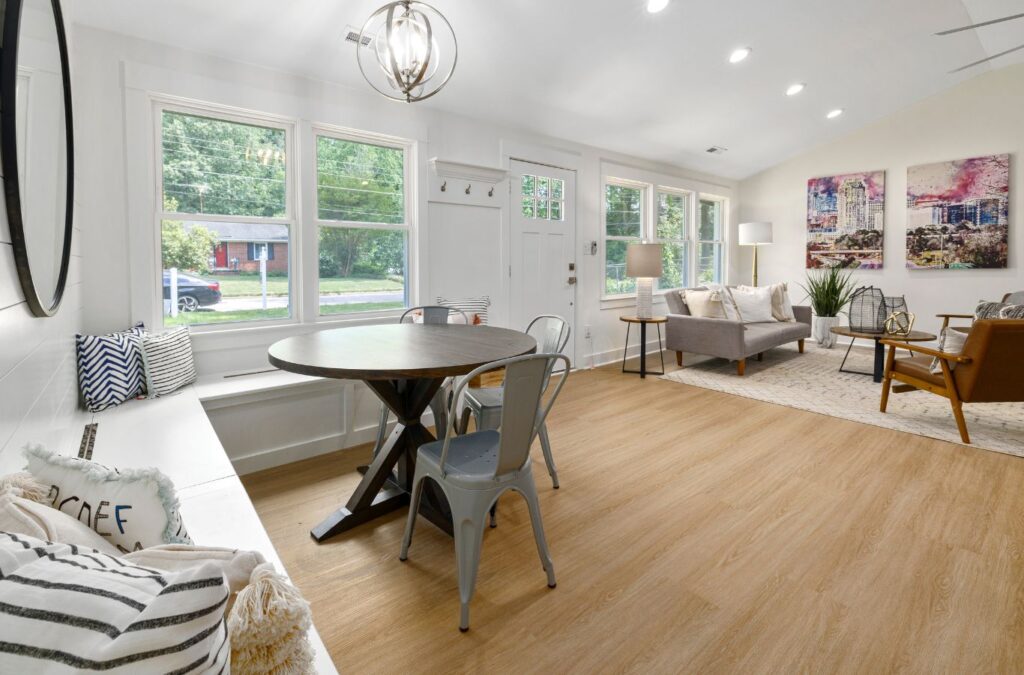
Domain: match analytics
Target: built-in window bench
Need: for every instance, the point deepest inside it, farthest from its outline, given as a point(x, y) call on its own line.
point(175, 435)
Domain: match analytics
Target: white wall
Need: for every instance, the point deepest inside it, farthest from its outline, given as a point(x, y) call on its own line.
point(982, 116)
point(38, 380)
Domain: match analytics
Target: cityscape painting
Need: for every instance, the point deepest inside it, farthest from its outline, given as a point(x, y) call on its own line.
point(845, 220)
point(957, 213)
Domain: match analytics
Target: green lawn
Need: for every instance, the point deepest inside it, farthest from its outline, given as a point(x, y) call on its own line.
point(248, 285)
point(210, 317)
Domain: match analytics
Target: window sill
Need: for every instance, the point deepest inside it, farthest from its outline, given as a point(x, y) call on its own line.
point(623, 301)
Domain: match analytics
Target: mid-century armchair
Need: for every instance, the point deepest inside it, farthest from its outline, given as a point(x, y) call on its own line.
point(990, 368)
point(1016, 298)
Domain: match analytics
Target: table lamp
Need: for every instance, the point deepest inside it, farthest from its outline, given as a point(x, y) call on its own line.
point(752, 234)
point(643, 262)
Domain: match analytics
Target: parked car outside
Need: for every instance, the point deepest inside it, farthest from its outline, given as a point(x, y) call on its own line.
point(193, 292)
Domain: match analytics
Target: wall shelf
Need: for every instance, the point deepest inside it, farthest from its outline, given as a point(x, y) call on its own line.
point(468, 172)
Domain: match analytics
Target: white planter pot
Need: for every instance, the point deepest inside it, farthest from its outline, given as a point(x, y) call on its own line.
point(823, 334)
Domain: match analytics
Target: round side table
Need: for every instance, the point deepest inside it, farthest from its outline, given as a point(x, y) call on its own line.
point(657, 321)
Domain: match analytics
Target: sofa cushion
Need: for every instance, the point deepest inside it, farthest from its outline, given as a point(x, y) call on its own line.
point(754, 304)
point(706, 304)
point(760, 337)
point(674, 300)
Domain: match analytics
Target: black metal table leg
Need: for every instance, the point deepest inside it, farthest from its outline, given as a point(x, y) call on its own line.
point(843, 369)
point(643, 350)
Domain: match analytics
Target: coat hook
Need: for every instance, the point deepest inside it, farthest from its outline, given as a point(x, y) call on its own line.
point(444, 186)
point(467, 188)
point(490, 193)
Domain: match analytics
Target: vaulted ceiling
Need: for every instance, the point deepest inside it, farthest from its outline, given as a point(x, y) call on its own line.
point(607, 73)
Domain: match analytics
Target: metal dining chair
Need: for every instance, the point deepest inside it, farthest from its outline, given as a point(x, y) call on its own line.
point(484, 403)
point(437, 315)
point(474, 470)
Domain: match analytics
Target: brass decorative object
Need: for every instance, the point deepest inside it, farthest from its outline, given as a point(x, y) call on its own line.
point(900, 323)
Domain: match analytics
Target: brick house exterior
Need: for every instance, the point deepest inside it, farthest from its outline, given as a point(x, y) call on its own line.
point(239, 246)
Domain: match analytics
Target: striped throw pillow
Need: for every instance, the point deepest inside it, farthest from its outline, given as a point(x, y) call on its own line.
point(110, 368)
point(65, 608)
point(1012, 312)
point(988, 310)
point(168, 361)
point(476, 308)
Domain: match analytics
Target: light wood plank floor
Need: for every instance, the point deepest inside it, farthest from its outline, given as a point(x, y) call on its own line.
point(694, 531)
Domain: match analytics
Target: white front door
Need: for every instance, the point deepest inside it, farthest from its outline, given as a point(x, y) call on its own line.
point(543, 247)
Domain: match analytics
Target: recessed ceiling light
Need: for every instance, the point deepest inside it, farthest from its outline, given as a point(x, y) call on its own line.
point(655, 6)
point(795, 89)
point(832, 114)
point(739, 55)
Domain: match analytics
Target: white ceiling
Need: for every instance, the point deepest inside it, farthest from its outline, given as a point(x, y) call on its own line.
point(608, 74)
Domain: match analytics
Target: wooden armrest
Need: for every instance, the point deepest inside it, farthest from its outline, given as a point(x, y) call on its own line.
point(955, 316)
point(927, 351)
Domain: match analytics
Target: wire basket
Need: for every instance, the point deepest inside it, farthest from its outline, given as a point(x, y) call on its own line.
point(868, 310)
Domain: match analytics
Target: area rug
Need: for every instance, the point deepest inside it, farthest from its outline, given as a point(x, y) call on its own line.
point(812, 382)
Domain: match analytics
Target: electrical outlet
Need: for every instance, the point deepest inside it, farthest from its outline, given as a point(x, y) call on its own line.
point(586, 332)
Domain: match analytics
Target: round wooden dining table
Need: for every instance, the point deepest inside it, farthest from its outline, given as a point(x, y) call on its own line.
point(404, 365)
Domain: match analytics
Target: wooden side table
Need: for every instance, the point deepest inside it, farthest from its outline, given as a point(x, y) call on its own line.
point(657, 321)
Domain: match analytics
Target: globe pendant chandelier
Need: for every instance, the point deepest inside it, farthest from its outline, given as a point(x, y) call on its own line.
point(407, 51)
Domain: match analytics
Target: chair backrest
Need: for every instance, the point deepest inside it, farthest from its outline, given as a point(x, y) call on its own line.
point(522, 412)
point(551, 333)
point(435, 315)
point(1016, 298)
point(996, 370)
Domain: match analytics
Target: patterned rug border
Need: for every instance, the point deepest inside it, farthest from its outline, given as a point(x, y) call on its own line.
point(720, 375)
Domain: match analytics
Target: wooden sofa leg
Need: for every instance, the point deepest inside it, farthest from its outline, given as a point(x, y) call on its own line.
point(760, 357)
point(800, 345)
point(741, 367)
point(679, 359)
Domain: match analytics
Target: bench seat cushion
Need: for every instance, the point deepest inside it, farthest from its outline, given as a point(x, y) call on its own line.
point(761, 337)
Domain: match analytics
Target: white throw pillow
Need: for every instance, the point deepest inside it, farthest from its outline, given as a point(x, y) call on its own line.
point(168, 361)
point(951, 342)
point(705, 304)
point(754, 304)
point(732, 312)
point(236, 565)
point(132, 509)
point(782, 308)
point(24, 516)
point(70, 610)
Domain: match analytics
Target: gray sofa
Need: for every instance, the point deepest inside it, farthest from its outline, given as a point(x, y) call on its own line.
point(730, 339)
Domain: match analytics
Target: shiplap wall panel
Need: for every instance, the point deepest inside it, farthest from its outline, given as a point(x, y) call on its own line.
point(10, 288)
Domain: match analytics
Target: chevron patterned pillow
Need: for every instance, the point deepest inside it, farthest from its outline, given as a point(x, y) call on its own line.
point(110, 368)
point(168, 361)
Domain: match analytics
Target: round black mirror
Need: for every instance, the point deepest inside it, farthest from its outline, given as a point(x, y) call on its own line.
point(37, 147)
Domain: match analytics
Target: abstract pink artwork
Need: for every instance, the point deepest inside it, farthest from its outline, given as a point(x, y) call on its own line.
point(846, 220)
point(958, 213)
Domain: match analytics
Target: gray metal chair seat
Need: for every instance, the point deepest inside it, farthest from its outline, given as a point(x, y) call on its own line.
point(471, 459)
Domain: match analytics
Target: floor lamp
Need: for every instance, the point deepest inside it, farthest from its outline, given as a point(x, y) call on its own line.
point(753, 234)
point(643, 262)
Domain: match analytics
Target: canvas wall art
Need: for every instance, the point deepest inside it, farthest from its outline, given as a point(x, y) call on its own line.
point(846, 220)
point(957, 213)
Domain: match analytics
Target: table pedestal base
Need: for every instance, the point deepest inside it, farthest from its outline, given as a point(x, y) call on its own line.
point(387, 483)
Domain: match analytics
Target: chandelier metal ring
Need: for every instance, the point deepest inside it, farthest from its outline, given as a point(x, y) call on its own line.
point(405, 50)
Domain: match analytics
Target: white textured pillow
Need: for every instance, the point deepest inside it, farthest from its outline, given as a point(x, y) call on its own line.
point(66, 609)
point(24, 516)
point(132, 509)
point(754, 304)
point(168, 361)
point(704, 304)
point(237, 566)
point(952, 342)
point(732, 312)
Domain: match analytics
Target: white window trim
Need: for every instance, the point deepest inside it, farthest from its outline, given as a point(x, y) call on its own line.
point(645, 210)
point(292, 208)
point(409, 148)
point(653, 183)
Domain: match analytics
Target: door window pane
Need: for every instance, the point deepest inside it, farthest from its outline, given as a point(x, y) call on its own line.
point(556, 210)
point(216, 272)
point(542, 208)
point(623, 211)
point(528, 208)
point(359, 182)
point(557, 188)
point(542, 187)
point(362, 269)
point(529, 185)
point(615, 280)
point(224, 168)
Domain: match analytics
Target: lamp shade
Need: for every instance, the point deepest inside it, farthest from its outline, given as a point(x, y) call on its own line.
point(643, 260)
point(755, 233)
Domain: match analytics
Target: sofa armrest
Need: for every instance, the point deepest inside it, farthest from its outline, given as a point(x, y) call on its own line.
point(802, 313)
point(711, 337)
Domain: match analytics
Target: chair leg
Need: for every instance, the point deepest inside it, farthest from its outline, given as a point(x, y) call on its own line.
point(741, 367)
point(529, 491)
point(545, 445)
point(679, 359)
point(468, 513)
point(886, 387)
point(961, 423)
point(464, 422)
point(410, 523)
point(800, 345)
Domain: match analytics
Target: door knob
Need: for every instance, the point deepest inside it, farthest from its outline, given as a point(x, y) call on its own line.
point(572, 280)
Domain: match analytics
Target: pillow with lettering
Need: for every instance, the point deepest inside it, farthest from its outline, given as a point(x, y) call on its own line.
point(133, 509)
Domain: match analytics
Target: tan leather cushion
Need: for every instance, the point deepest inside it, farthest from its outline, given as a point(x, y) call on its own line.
point(919, 367)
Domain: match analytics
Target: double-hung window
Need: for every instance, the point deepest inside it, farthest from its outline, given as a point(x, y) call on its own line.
point(225, 217)
point(363, 217)
point(624, 211)
point(689, 226)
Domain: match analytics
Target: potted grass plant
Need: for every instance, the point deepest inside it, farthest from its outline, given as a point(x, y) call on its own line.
point(829, 290)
